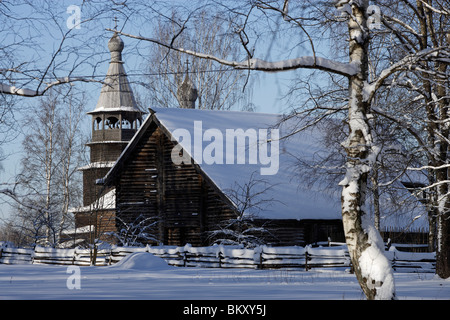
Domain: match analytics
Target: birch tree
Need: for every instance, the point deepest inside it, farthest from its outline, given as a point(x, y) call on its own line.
point(421, 29)
point(47, 185)
point(40, 163)
point(73, 149)
point(366, 249)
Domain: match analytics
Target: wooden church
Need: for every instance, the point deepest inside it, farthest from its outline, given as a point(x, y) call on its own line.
point(134, 176)
point(115, 120)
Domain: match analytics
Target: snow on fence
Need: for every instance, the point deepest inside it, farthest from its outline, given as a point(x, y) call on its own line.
point(10, 255)
point(261, 257)
point(412, 261)
point(44, 255)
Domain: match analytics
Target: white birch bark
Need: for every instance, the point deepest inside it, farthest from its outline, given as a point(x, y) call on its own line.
point(366, 248)
point(49, 167)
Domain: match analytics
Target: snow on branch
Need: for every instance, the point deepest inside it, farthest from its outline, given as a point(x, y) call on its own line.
point(17, 91)
point(445, 166)
point(443, 11)
point(305, 62)
point(409, 62)
point(25, 92)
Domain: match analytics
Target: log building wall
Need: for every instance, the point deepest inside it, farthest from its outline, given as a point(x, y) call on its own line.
point(177, 196)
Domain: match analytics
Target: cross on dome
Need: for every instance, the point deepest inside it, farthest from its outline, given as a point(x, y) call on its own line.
point(115, 23)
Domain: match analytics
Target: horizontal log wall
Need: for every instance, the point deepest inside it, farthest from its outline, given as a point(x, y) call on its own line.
point(113, 134)
point(91, 191)
point(397, 237)
point(105, 152)
point(151, 185)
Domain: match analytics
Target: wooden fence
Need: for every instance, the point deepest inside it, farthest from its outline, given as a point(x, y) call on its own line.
point(262, 257)
point(44, 255)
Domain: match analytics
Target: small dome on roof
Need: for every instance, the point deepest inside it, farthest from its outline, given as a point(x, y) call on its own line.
point(115, 44)
point(187, 93)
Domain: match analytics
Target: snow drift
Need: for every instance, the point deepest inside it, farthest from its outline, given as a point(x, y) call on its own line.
point(142, 261)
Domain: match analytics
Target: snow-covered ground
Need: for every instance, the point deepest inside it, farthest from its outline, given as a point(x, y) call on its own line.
point(144, 276)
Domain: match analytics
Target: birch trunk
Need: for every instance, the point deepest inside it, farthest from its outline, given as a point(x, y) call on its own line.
point(364, 242)
point(443, 230)
point(443, 248)
point(49, 152)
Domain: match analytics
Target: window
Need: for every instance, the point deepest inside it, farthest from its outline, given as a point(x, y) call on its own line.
point(98, 124)
point(126, 124)
point(112, 123)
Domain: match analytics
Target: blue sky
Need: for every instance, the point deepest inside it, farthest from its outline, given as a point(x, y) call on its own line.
point(266, 92)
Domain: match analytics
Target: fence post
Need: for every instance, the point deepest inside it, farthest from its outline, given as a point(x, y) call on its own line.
point(220, 258)
point(261, 257)
point(108, 257)
point(185, 258)
point(393, 261)
point(306, 258)
point(388, 244)
point(33, 254)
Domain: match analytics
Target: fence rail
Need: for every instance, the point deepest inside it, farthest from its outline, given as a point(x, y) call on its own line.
point(261, 257)
point(43, 255)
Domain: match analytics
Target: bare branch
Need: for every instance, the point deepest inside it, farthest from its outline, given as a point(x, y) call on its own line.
point(305, 62)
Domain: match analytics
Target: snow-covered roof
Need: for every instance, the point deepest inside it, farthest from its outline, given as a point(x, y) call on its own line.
point(105, 202)
point(106, 164)
point(288, 196)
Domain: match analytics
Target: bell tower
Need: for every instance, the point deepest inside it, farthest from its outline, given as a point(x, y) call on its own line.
point(115, 120)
